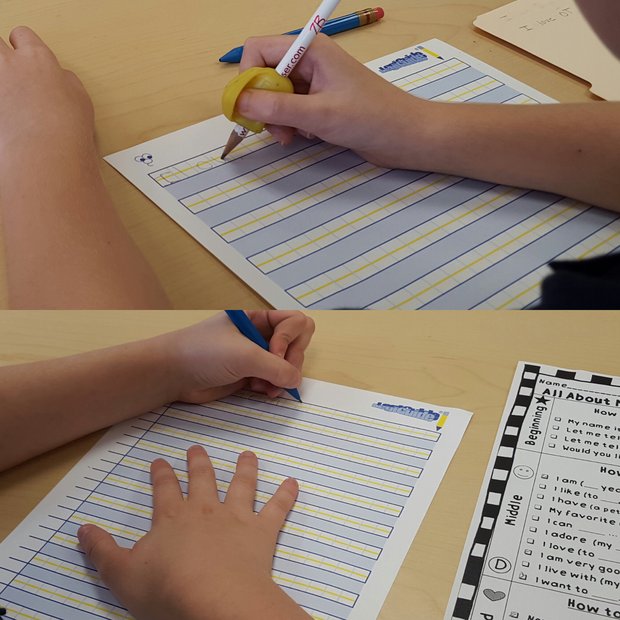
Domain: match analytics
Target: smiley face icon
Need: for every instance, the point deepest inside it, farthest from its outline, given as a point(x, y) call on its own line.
point(523, 471)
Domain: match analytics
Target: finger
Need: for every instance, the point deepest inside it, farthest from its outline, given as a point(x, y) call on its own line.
point(4, 47)
point(284, 135)
point(166, 489)
point(242, 491)
point(292, 322)
point(268, 52)
point(260, 386)
point(202, 481)
point(257, 362)
point(304, 112)
point(264, 51)
point(292, 332)
point(23, 37)
point(276, 510)
point(103, 552)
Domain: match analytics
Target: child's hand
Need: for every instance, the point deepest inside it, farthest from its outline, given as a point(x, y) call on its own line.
point(42, 106)
point(202, 559)
point(340, 101)
point(213, 359)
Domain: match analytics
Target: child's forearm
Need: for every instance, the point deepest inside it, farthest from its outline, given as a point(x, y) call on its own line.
point(569, 149)
point(45, 404)
point(65, 244)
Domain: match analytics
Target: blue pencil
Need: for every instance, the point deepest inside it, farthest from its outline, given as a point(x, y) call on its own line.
point(242, 322)
point(332, 26)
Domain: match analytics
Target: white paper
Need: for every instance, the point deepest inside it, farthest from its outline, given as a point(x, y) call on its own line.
point(368, 466)
point(314, 226)
point(544, 542)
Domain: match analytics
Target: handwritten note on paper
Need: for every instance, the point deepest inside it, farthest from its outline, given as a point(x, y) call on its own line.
point(556, 31)
point(367, 477)
point(545, 540)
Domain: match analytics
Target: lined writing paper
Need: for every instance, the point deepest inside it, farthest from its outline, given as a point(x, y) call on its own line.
point(368, 466)
point(314, 226)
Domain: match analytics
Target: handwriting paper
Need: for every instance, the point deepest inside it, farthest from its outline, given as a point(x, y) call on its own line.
point(556, 31)
point(314, 226)
point(545, 538)
point(368, 466)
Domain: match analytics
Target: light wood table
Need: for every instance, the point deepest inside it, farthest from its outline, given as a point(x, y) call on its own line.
point(455, 359)
point(151, 67)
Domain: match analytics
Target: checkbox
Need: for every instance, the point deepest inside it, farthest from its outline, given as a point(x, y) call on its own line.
point(556, 419)
point(540, 496)
point(542, 486)
point(544, 476)
point(555, 427)
point(537, 507)
point(528, 552)
point(522, 576)
point(530, 541)
point(535, 518)
point(553, 436)
point(552, 445)
point(533, 529)
point(525, 564)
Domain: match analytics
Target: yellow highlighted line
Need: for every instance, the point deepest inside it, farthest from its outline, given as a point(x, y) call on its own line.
point(132, 534)
point(305, 445)
point(473, 90)
point(521, 294)
point(295, 204)
point(64, 568)
point(313, 560)
point(289, 460)
point(358, 500)
point(481, 258)
point(66, 596)
point(262, 177)
point(309, 586)
point(308, 426)
point(598, 245)
point(404, 246)
point(349, 224)
point(426, 76)
point(399, 429)
point(327, 515)
point(215, 158)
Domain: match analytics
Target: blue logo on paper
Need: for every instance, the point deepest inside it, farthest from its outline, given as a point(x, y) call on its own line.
point(410, 59)
point(413, 412)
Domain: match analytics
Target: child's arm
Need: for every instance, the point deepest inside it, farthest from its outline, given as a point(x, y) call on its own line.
point(203, 559)
point(570, 149)
point(65, 245)
point(45, 404)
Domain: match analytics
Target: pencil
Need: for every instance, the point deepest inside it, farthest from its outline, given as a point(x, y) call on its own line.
point(332, 26)
point(290, 59)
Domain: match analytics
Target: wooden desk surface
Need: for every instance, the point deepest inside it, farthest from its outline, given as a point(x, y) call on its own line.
point(461, 359)
point(151, 67)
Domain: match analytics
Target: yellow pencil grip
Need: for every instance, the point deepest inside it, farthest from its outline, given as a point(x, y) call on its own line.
point(262, 78)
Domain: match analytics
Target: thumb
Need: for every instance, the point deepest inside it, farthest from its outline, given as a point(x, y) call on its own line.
point(298, 111)
point(276, 370)
point(101, 549)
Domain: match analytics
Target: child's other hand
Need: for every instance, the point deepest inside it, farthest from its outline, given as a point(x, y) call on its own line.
point(340, 101)
point(213, 359)
point(42, 106)
point(203, 559)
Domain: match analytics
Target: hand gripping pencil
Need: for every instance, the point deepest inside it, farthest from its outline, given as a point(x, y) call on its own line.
point(284, 68)
point(241, 321)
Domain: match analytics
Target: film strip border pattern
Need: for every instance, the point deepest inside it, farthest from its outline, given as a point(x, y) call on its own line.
point(495, 493)
point(501, 472)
